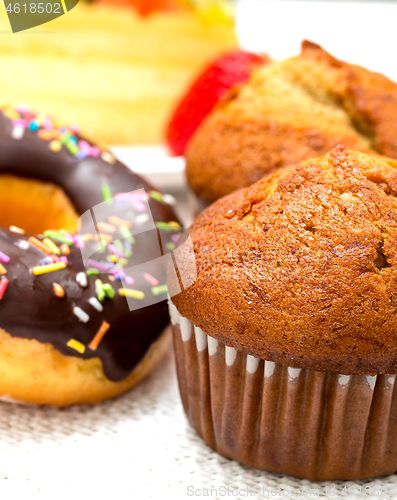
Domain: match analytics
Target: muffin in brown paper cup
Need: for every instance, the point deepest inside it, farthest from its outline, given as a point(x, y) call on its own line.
point(286, 343)
point(289, 111)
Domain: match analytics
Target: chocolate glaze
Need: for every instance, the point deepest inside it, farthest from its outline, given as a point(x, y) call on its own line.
point(29, 308)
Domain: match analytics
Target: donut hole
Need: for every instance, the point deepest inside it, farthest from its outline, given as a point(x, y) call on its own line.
point(35, 206)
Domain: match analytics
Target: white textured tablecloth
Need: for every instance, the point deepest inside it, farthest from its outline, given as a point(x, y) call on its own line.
point(137, 446)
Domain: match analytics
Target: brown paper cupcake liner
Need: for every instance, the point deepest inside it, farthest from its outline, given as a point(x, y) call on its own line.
point(305, 423)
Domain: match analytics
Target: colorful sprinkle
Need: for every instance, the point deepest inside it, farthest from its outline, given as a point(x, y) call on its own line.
point(125, 196)
point(166, 226)
point(22, 244)
point(3, 286)
point(93, 345)
point(106, 193)
point(80, 156)
point(84, 147)
point(39, 244)
point(118, 274)
point(170, 246)
point(76, 345)
point(65, 136)
point(10, 113)
point(91, 271)
point(65, 249)
point(16, 229)
point(169, 199)
point(72, 147)
point(109, 290)
point(5, 258)
point(95, 151)
point(156, 195)
point(34, 126)
point(96, 264)
point(50, 244)
point(79, 313)
point(55, 146)
point(78, 241)
point(3, 270)
point(104, 226)
point(47, 124)
point(158, 290)
point(96, 304)
point(17, 132)
point(115, 251)
point(126, 233)
point(151, 279)
point(58, 236)
point(118, 244)
point(47, 135)
point(58, 290)
point(103, 238)
point(81, 279)
point(48, 268)
point(100, 292)
point(119, 222)
point(20, 121)
point(111, 258)
point(47, 260)
point(135, 294)
point(141, 219)
point(141, 207)
point(109, 158)
point(129, 280)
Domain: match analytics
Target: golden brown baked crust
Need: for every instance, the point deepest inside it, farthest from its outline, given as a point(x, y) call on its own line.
point(35, 373)
point(290, 111)
point(301, 268)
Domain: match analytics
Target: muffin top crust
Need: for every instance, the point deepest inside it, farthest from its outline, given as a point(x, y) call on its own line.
point(290, 111)
point(301, 267)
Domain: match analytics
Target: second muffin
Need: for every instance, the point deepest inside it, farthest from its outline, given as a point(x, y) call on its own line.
point(290, 111)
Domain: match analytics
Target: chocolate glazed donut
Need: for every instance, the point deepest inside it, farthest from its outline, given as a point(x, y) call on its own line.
point(46, 295)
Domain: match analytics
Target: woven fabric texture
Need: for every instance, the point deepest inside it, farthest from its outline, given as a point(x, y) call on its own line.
point(137, 446)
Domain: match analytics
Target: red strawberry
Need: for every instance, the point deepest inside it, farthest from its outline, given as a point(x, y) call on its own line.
point(210, 86)
point(147, 7)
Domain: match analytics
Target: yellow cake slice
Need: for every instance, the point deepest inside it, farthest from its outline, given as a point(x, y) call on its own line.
point(115, 73)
